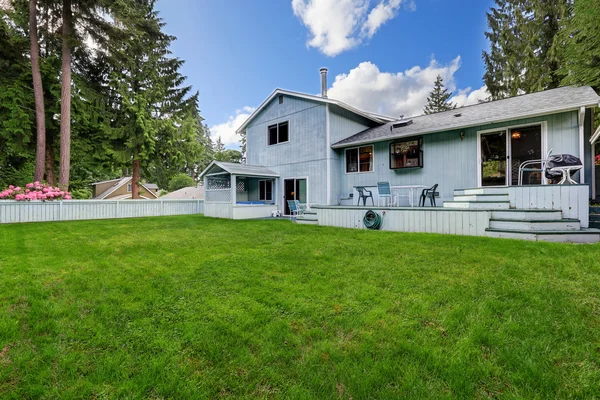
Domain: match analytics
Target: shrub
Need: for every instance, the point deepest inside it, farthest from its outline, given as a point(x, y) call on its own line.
point(81, 194)
point(34, 191)
point(180, 181)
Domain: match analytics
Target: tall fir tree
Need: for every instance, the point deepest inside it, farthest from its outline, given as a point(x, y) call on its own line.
point(438, 98)
point(581, 45)
point(524, 52)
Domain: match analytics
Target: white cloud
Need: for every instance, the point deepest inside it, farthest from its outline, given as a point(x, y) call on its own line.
point(392, 93)
point(226, 130)
point(467, 96)
point(339, 25)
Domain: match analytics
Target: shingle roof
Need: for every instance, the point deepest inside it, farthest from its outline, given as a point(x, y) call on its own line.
point(241, 169)
point(523, 106)
point(376, 118)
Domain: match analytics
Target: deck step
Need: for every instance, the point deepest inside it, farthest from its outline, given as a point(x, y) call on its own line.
point(527, 214)
point(477, 205)
point(307, 221)
point(572, 236)
point(488, 190)
point(535, 225)
point(481, 197)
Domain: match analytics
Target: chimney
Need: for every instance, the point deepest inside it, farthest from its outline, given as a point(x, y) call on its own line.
point(323, 72)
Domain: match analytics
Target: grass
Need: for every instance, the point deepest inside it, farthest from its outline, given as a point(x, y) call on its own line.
point(192, 307)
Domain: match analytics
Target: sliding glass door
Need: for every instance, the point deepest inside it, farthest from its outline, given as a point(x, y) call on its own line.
point(294, 189)
point(503, 151)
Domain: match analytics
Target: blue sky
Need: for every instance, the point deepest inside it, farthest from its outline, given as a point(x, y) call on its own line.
point(382, 55)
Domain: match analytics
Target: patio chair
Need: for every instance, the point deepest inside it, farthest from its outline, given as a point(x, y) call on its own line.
point(385, 192)
point(528, 166)
point(364, 194)
point(301, 208)
point(428, 194)
point(295, 209)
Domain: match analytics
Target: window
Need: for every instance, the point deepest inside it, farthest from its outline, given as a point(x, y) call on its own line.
point(265, 190)
point(129, 187)
point(280, 99)
point(406, 154)
point(279, 133)
point(359, 159)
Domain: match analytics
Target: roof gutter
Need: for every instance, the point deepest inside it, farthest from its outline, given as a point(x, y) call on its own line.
point(400, 136)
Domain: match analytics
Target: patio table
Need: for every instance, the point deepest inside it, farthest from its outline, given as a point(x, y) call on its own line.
point(566, 173)
point(411, 192)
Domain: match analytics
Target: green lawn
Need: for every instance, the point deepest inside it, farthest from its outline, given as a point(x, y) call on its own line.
point(192, 307)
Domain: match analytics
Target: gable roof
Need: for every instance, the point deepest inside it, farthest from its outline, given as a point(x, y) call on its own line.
point(241, 169)
point(191, 192)
point(119, 183)
point(379, 119)
point(528, 105)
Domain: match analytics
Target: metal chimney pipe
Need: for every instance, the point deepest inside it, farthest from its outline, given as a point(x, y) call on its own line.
point(323, 72)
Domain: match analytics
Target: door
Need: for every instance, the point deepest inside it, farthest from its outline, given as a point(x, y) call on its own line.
point(494, 156)
point(525, 145)
point(293, 189)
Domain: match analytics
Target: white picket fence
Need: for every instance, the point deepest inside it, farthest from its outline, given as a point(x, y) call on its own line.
point(37, 211)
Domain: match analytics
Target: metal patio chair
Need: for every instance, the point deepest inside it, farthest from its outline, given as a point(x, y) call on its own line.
point(528, 166)
point(295, 209)
point(385, 192)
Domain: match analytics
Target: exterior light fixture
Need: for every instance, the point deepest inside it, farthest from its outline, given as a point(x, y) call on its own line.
point(516, 135)
point(462, 135)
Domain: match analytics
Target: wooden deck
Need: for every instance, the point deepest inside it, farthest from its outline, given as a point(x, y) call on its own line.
point(548, 213)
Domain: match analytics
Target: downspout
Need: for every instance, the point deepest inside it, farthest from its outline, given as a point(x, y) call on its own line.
point(328, 154)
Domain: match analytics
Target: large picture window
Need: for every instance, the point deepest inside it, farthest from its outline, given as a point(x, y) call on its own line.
point(265, 190)
point(279, 133)
point(406, 154)
point(359, 159)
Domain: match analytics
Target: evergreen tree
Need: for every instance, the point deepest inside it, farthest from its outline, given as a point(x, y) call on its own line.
point(438, 98)
point(581, 38)
point(523, 55)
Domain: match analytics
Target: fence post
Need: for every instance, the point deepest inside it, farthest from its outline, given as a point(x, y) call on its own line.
point(60, 210)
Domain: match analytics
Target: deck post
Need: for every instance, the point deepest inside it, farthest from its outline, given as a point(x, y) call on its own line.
point(233, 190)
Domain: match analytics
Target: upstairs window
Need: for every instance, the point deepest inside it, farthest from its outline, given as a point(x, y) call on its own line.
point(359, 159)
point(265, 190)
point(129, 187)
point(279, 133)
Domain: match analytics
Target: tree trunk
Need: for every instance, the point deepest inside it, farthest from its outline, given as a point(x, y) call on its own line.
point(65, 98)
point(50, 176)
point(38, 93)
point(135, 190)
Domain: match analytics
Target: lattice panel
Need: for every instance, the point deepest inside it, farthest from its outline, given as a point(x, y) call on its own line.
point(241, 186)
point(218, 195)
point(218, 184)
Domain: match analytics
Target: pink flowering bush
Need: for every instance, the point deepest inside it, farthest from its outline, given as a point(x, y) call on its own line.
point(34, 191)
point(597, 160)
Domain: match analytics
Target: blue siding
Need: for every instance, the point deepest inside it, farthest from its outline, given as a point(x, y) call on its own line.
point(305, 153)
point(453, 163)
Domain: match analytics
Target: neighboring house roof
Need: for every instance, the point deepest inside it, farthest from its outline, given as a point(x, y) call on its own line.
point(152, 186)
point(111, 180)
point(595, 136)
point(380, 119)
point(186, 193)
point(119, 183)
point(241, 169)
point(529, 105)
point(128, 196)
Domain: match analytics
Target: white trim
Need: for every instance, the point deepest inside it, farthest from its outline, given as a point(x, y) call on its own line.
point(233, 189)
point(328, 155)
point(455, 127)
point(596, 134)
point(581, 142)
point(278, 142)
point(115, 187)
point(543, 147)
point(359, 171)
point(380, 119)
point(294, 178)
point(593, 154)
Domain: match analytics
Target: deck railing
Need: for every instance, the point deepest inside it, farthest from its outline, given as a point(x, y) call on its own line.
point(37, 211)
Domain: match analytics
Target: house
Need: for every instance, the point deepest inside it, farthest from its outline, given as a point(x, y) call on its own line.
point(120, 189)
point(192, 192)
point(318, 150)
